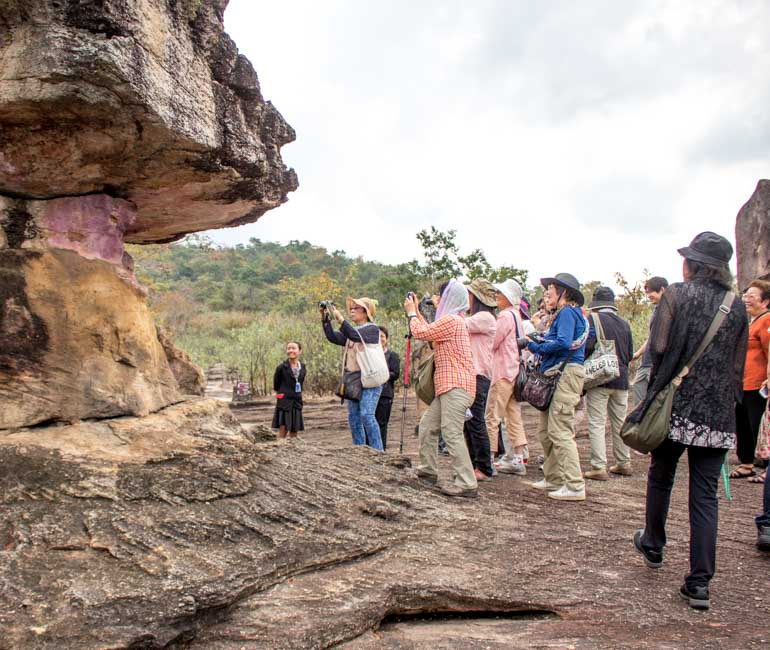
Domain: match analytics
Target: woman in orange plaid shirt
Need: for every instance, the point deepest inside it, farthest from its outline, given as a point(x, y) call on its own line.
point(455, 384)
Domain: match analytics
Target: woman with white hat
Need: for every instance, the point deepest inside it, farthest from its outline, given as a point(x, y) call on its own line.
point(505, 369)
point(361, 412)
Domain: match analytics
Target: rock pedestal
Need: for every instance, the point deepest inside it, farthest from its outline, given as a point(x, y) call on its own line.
point(752, 236)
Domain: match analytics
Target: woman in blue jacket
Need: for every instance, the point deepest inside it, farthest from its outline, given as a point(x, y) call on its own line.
point(564, 342)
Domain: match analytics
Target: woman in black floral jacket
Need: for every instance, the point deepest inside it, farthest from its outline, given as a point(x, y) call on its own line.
point(703, 415)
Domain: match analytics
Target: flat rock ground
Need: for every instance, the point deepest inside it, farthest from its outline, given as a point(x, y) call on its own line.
point(511, 569)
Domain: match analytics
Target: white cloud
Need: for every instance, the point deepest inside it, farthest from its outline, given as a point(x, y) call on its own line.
point(587, 137)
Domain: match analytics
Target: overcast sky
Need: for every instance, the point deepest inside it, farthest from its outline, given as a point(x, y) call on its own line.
point(587, 137)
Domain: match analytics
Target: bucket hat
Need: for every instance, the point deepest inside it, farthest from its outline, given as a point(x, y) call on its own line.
point(603, 297)
point(511, 290)
point(369, 305)
point(708, 248)
point(568, 281)
point(484, 291)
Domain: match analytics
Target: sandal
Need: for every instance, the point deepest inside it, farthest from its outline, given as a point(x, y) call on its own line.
point(742, 472)
point(759, 478)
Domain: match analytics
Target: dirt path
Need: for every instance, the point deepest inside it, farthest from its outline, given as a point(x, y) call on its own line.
point(572, 563)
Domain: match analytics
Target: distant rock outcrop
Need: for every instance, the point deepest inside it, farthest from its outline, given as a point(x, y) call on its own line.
point(752, 236)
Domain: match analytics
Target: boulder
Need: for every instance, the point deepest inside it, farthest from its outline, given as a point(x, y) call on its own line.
point(146, 100)
point(752, 236)
point(188, 375)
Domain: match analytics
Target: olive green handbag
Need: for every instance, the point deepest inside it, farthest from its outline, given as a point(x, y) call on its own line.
point(653, 428)
point(423, 385)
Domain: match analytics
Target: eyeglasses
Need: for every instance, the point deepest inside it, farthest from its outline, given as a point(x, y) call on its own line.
point(356, 308)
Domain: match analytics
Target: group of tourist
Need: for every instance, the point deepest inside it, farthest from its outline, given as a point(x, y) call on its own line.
point(483, 335)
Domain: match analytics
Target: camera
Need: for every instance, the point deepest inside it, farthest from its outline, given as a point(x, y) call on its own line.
point(409, 295)
point(524, 341)
point(328, 305)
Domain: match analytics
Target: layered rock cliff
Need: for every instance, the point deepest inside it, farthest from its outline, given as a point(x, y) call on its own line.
point(120, 121)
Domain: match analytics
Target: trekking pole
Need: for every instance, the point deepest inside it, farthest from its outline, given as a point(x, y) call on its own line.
point(726, 479)
point(406, 387)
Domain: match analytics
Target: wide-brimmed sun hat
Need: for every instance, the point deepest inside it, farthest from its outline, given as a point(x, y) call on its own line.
point(511, 290)
point(368, 304)
point(603, 298)
point(484, 291)
point(568, 281)
point(708, 248)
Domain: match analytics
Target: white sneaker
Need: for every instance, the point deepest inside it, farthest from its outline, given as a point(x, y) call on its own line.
point(514, 466)
point(544, 485)
point(565, 494)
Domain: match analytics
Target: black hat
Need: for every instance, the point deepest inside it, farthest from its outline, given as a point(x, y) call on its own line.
point(603, 297)
point(568, 281)
point(708, 248)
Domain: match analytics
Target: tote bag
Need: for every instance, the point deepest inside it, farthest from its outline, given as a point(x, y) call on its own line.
point(602, 366)
point(374, 367)
point(424, 385)
point(521, 378)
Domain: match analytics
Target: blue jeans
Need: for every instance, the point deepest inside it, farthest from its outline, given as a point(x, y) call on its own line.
point(363, 424)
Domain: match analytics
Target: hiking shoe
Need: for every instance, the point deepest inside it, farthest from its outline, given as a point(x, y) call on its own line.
point(763, 538)
point(696, 597)
point(480, 476)
point(542, 484)
point(565, 494)
point(621, 470)
point(653, 559)
point(597, 475)
point(452, 490)
point(426, 477)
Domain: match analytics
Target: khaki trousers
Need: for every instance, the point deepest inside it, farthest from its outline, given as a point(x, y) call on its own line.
point(501, 404)
point(600, 403)
point(447, 415)
point(556, 431)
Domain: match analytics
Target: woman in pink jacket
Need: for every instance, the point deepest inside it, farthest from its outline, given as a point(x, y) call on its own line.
point(481, 326)
point(505, 368)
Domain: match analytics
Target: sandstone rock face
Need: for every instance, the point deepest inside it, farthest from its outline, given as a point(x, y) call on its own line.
point(752, 236)
point(76, 337)
point(147, 100)
point(189, 376)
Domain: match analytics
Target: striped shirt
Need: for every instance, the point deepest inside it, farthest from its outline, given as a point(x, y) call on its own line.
point(453, 360)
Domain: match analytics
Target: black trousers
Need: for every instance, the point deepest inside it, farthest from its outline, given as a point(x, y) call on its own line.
point(748, 415)
point(382, 415)
point(475, 429)
point(705, 468)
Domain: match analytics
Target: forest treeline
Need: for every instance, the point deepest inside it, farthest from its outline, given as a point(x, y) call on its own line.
point(239, 305)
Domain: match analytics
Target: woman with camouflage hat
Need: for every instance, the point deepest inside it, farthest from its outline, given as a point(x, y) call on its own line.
point(481, 327)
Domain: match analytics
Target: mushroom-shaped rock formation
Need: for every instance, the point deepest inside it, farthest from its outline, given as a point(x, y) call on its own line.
point(120, 121)
point(752, 236)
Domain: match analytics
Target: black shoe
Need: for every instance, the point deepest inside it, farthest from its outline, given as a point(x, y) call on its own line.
point(696, 597)
point(653, 559)
point(763, 538)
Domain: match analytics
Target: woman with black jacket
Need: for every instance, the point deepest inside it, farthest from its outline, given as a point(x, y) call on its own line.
point(288, 381)
point(384, 406)
point(703, 415)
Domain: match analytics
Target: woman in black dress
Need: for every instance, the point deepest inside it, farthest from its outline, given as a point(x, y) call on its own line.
point(287, 382)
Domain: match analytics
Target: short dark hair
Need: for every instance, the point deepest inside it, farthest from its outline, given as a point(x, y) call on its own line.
point(384, 330)
point(656, 283)
point(441, 288)
point(297, 343)
point(764, 288)
point(719, 274)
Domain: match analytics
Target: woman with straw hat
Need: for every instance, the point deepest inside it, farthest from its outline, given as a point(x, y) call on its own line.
point(361, 412)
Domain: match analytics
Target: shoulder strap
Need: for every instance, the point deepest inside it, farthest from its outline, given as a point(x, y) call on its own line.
point(598, 326)
point(723, 310)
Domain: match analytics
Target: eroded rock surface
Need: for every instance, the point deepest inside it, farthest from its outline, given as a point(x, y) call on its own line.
point(146, 100)
point(77, 339)
point(752, 235)
point(189, 376)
